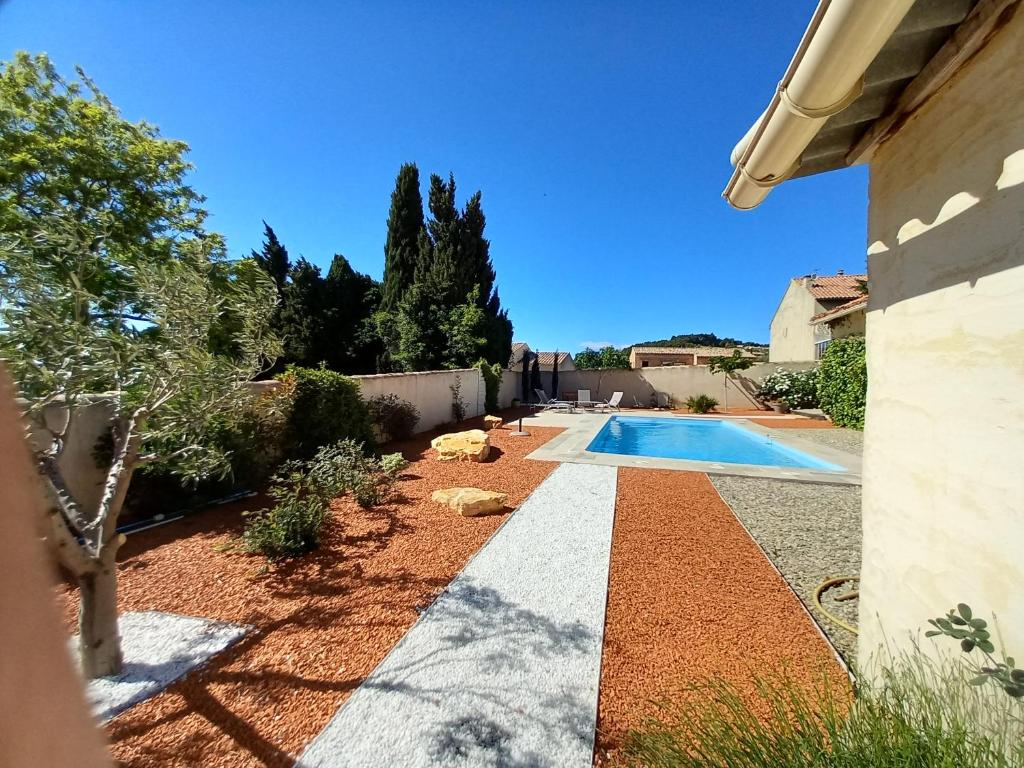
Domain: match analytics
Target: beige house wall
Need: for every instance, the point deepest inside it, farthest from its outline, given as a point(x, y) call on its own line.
point(792, 335)
point(853, 324)
point(944, 440)
point(656, 359)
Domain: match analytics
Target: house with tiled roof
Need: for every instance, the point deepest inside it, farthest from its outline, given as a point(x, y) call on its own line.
point(797, 331)
point(546, 360)
point(848, 319)
point(654, 357)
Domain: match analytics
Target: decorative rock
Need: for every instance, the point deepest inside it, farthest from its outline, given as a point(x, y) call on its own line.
point(492, 422)
point(472, 445)
point(470, 502)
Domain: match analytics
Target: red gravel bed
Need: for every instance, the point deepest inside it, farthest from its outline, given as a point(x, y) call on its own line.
point(690, 597)
point(321, 622)
point(797, 423)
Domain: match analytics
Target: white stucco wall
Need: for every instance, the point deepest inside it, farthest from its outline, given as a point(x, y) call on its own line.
point(944, 439)
point(792, 336)
point(430, 392)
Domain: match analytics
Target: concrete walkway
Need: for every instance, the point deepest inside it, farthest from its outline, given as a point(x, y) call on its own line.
point(502, 671)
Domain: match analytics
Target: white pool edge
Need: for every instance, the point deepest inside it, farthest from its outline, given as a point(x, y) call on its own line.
point(571, 446)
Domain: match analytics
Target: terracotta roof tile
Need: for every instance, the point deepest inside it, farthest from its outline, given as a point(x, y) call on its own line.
point(836, 286)
point(841, 309)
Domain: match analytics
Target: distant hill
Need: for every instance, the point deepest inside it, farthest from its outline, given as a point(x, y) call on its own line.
point(699, 340)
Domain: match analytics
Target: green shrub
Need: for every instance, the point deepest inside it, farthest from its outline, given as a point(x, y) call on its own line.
point(394, 417)
point(291, 527)
point(393, 463)
point(701, 403)
point(303, 491)
point(326, 408)
point(843, 381)
point(492, 384)
point(919, 714)
point(798, 389)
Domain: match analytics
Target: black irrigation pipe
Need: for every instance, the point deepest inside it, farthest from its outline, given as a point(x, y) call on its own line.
point(162, 519)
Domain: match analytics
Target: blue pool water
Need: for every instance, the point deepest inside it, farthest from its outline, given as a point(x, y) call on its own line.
point(713, 440)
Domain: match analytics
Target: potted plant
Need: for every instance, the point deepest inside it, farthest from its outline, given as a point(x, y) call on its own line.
point(780, 406)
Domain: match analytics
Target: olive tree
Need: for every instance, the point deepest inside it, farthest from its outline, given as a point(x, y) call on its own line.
point(147, 351)
point(727, 365)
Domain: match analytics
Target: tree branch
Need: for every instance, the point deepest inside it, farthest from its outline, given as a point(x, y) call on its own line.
point(69, 552)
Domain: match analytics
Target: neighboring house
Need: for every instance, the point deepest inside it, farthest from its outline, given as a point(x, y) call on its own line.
point(546, 361)
point(653, 357)
point(794, 337)
point(845, 320)
point(931, 94)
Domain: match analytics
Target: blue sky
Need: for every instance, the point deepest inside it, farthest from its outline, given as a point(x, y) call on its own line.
point(598, 132)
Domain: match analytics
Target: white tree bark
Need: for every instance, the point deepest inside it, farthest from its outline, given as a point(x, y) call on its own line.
point(88, 549)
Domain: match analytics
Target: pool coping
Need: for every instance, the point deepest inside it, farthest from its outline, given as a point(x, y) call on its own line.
point(571, 446)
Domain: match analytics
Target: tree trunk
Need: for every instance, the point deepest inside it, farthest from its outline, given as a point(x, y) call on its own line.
point(99, 643)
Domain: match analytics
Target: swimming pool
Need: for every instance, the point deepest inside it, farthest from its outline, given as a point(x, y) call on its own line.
point(712, 440)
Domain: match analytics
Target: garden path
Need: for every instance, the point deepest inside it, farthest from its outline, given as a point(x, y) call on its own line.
point(503, 668)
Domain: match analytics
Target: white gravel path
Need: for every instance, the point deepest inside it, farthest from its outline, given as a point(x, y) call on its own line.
point(158, 648)
point(502, 671)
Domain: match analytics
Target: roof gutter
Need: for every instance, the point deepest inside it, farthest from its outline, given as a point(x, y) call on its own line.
point(825, 76)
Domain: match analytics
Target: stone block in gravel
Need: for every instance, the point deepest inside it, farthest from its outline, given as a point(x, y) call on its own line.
point(158, 648)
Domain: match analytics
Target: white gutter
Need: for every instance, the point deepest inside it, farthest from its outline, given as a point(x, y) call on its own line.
point(824, 77)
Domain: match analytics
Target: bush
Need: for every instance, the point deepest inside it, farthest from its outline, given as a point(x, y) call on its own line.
point(843, 381)
point(701, 403)
point(394, 417)
point(919, 714)
point(303, 491)
point(798, 389)
point(492, 384)
point(326, 408)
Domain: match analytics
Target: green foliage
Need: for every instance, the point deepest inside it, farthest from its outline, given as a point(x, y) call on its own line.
point(326, 408)
point(729, 364)
point(154, 357)
point(798, 389)
point(698, 340)
point(701, 403)
point(492, 383)
point(458, 404)
point(961, 624)
point(273, 258)
point(535, 382)
point(303, 491)
point(67, 151)
point(321, 319)
point(450, 315)
point(393, 463)
point(843, 381)
point(405, 226)
point(606, 357)
point(395, 418)
point(920, 714)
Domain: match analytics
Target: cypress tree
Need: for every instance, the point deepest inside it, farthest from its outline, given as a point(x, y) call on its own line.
point(554, 378)
point(535, 373)
point(273, 258)
point(402, 246)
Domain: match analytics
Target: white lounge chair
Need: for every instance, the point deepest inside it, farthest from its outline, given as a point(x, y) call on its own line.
point(610, 405)
point(547, 404)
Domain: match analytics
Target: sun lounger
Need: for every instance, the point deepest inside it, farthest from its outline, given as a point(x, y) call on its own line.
point(547, 404)
point(610, 405)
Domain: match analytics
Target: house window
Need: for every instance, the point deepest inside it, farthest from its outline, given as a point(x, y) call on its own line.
point(819, 348)
point(643, 363)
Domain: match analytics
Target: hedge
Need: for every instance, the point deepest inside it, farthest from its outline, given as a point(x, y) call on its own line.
point(326, 408)
point(843, 381)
